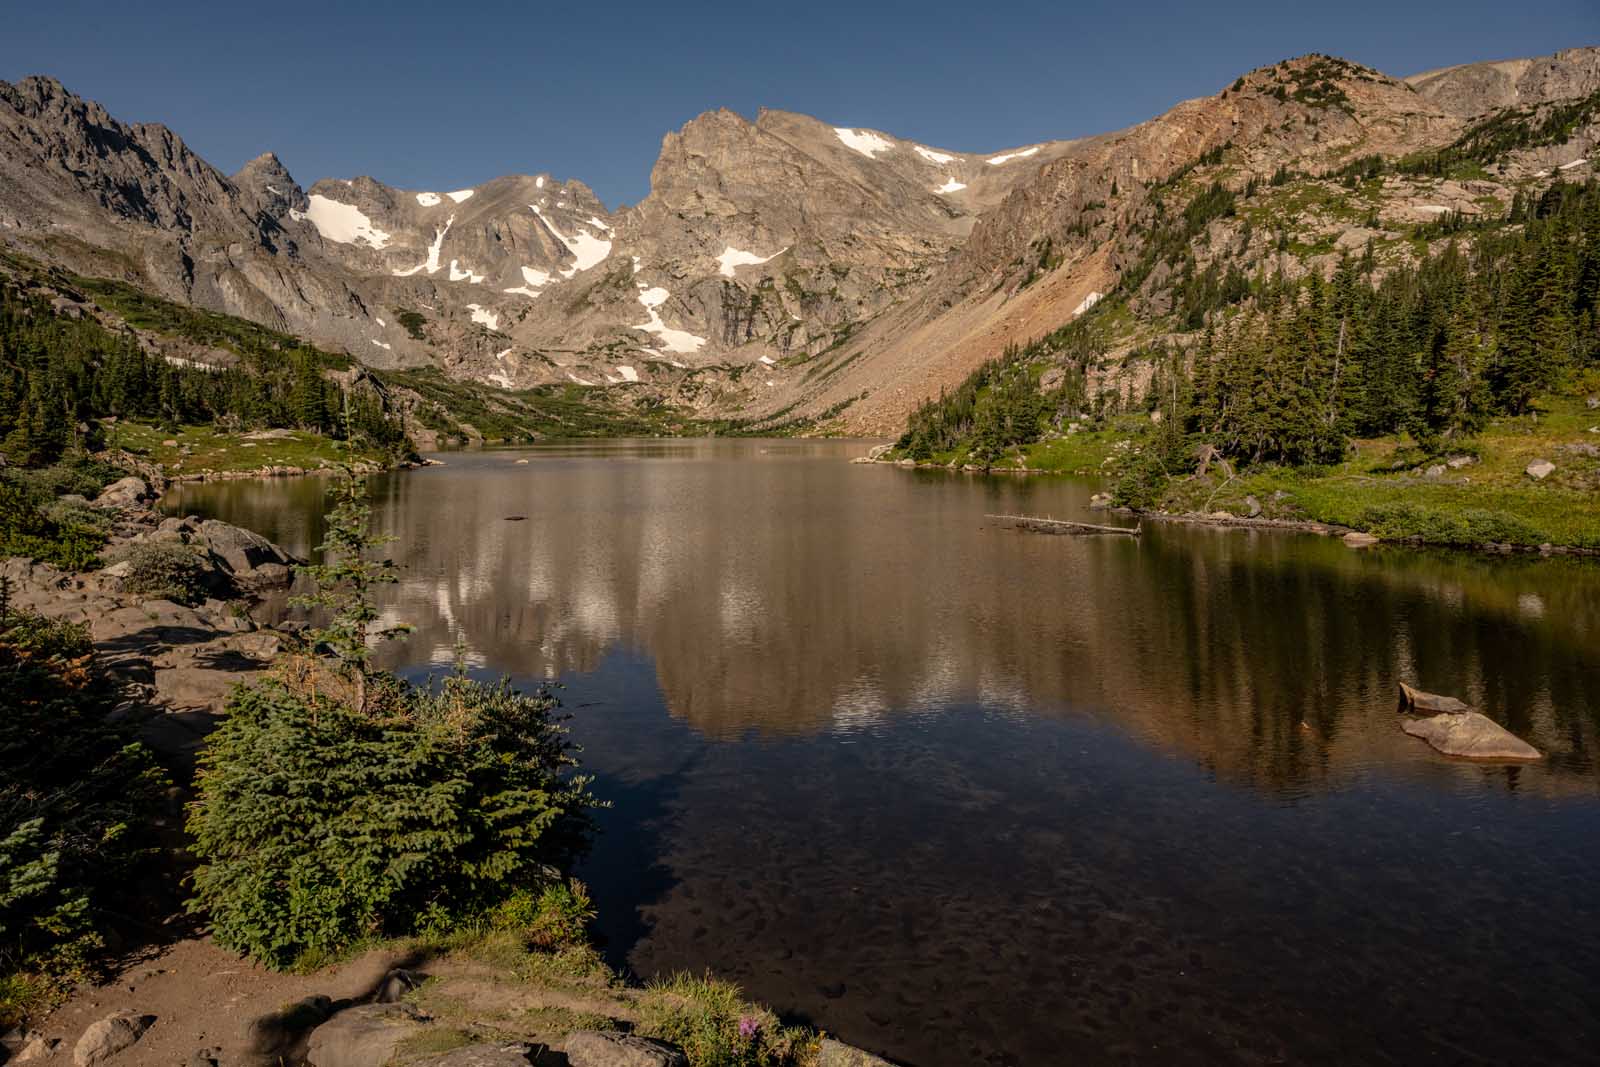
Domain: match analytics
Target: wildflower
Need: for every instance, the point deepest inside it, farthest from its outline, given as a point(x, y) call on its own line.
point(748, 1025)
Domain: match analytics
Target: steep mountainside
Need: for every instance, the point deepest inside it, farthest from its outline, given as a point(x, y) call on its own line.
point(1079, 226)
point(784, 268)
point(759, 241)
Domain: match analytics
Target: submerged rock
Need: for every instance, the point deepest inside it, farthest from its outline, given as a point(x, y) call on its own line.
point(1470, 735)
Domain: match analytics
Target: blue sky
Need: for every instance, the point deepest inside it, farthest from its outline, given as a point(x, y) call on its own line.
point(443, 95)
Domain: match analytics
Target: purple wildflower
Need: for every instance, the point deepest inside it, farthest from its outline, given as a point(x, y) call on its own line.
point(748, 1025)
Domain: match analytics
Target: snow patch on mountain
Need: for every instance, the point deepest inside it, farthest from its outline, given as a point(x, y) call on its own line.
point(1007, 157)
point(585, 247)
point(382, 344)
point(533, 280)
point(866, 142)
point(431, 264)
point(732, 257)
point(672, 340)
point(1088, 302)
point(931, 156)
point(429, 199)
point(538, 183)
point(628, 374)
point(483, 316)
point(461, 194)
point(344, 223)
point(463, 274)
point(951, 186)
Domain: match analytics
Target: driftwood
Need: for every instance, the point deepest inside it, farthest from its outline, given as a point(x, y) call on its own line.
point(1063, 526)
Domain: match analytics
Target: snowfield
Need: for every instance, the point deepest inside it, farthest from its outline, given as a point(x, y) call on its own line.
point(995, 161)
point(533, 281)
point(344, 223)
point(429, 199)
point(461, 194)
point(732, 257)
point(930, 155)
point(585, 247)
point(1088, 302)
point(951, 186)
point(483, 316)
point(672, 340)
point(866, 142)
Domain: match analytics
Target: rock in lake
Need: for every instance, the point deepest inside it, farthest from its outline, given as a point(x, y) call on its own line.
point(1358, 539)
point(1470, 735)
point(110, 1036)
point(1100, 501)
point(604, 1048)
point(1428, 703)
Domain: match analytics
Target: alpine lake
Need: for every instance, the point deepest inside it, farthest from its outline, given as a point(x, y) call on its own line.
point(964, 794)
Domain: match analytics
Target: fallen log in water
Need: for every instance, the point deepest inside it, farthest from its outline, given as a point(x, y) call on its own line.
point(1063, 526)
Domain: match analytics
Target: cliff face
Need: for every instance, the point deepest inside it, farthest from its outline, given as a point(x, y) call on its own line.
point(780, 265)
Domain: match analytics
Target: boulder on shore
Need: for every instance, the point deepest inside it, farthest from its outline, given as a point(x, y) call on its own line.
point(364, 1036)
point(110, 1036)
point(604, 1048)
point(126, 492)
point(833, 1053)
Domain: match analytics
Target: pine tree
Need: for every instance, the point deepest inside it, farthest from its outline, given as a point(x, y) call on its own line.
point(346, 583)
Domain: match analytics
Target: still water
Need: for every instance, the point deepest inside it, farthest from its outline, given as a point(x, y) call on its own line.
point(967, 795)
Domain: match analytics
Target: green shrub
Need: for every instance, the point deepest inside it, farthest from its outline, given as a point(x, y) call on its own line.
point(74, 790)
point(1471, 527)
point(166, 570)
point(318, 826)
point(27, 530)
point(716, 1027)
point(556, 917)
point(78, 474)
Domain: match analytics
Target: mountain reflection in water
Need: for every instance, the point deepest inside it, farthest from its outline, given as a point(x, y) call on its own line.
point(1027, 798)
